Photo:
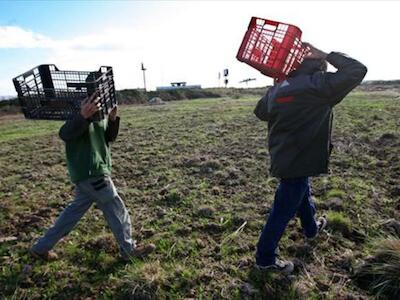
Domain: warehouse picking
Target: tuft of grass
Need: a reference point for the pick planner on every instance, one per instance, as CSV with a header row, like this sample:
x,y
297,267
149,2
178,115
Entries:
x,y
381,273
173,197
143,280
339,223
336,193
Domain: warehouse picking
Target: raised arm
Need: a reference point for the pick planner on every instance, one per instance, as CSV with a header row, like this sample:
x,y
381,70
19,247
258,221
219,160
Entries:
x,y
113,125
80,123
335,86
73,128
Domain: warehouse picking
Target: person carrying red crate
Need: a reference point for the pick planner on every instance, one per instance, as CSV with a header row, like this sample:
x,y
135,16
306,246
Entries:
x,y
299,115
89,165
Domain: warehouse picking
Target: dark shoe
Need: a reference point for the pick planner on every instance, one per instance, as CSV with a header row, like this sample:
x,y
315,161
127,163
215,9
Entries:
x,y
47,256
321,224
284,266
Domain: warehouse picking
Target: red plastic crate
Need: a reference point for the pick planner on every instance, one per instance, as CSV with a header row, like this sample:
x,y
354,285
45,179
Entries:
x,y
273,48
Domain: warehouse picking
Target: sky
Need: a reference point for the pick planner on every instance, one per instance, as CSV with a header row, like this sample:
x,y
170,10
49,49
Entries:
x,y
188,41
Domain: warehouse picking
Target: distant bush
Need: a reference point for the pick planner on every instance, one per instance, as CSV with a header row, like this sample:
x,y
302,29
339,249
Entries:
x,y
140,96
380,274
8,102
381,82
131,96
181,94
9,107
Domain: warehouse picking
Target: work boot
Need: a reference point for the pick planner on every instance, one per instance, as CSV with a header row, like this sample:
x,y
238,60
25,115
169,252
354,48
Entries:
x,y
140,252
47,256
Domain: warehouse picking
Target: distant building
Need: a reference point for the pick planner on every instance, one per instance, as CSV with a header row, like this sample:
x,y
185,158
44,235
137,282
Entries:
x,y
178,85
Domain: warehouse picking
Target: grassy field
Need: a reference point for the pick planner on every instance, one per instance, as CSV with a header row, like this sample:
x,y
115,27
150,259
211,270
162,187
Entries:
x,y
194,175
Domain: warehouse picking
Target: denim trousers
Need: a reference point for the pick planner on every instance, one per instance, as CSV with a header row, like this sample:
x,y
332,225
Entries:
x,y
102,191
293,196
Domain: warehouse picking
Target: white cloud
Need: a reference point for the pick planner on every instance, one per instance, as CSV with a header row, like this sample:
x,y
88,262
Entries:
x,y
121,48
17,37
6,87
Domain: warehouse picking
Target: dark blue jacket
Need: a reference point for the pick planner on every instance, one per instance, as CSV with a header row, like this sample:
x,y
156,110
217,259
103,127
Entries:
x,y
299,115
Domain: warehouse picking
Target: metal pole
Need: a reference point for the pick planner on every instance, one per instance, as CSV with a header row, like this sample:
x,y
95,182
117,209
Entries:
x,y
144,77
144,80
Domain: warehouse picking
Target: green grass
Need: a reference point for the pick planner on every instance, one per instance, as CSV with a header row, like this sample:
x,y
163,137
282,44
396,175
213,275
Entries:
x,y
336,193
194,177
339,222
17,129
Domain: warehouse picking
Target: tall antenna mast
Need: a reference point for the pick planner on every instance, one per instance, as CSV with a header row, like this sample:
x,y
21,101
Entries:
x,y
144,77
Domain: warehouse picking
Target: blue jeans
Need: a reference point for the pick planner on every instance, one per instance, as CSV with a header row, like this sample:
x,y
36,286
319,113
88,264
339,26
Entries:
x,y
292,196
102,191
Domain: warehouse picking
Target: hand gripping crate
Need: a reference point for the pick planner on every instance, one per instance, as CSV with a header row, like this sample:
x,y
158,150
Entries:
x,y
273,48
47,93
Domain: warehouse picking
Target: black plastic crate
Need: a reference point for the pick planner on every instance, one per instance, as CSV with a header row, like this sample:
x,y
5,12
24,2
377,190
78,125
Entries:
x,y
47,93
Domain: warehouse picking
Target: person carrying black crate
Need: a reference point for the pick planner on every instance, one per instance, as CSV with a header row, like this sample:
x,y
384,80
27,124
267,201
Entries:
x,y
89,165
299,115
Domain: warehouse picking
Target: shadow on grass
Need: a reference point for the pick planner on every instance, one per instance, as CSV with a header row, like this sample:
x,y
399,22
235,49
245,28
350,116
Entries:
x,y
78,272
271,285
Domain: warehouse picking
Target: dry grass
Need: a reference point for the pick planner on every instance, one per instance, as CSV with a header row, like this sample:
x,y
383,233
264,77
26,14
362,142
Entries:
x,y
381,272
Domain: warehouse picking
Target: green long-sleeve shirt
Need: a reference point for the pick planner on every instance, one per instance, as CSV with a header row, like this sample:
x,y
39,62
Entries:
x,y
87,146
